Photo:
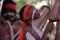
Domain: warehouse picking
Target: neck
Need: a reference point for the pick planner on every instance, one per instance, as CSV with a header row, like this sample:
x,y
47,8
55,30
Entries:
x,y
29,24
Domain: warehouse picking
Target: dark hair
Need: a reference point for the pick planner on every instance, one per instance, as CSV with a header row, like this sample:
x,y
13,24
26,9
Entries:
x,y
8,2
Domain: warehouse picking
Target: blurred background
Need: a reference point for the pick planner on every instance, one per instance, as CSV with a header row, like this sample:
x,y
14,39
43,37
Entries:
x,y
36,3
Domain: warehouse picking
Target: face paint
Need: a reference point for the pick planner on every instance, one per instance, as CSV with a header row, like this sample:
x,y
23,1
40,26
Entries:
x,y
34,26
36,21
12,14
9,16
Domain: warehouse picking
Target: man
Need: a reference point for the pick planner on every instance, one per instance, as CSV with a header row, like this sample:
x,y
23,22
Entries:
x,y
29,31
4,27
29,15
8,12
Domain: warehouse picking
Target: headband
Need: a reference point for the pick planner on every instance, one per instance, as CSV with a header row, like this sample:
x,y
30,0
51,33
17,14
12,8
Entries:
x,y
10,6
26,9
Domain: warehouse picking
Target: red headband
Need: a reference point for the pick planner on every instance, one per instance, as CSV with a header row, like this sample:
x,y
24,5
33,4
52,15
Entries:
x,y
26,9
10,6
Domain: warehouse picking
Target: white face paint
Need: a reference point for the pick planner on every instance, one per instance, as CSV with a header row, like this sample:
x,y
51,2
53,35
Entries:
x,y
1,2
34,26
12,14
35,22
9,16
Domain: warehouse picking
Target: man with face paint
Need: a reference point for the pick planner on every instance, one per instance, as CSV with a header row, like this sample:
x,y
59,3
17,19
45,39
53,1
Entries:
x,y
29,30
5,33
8,12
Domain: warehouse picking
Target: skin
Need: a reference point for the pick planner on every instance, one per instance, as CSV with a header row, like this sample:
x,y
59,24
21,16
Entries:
x,y
4,30
55,17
